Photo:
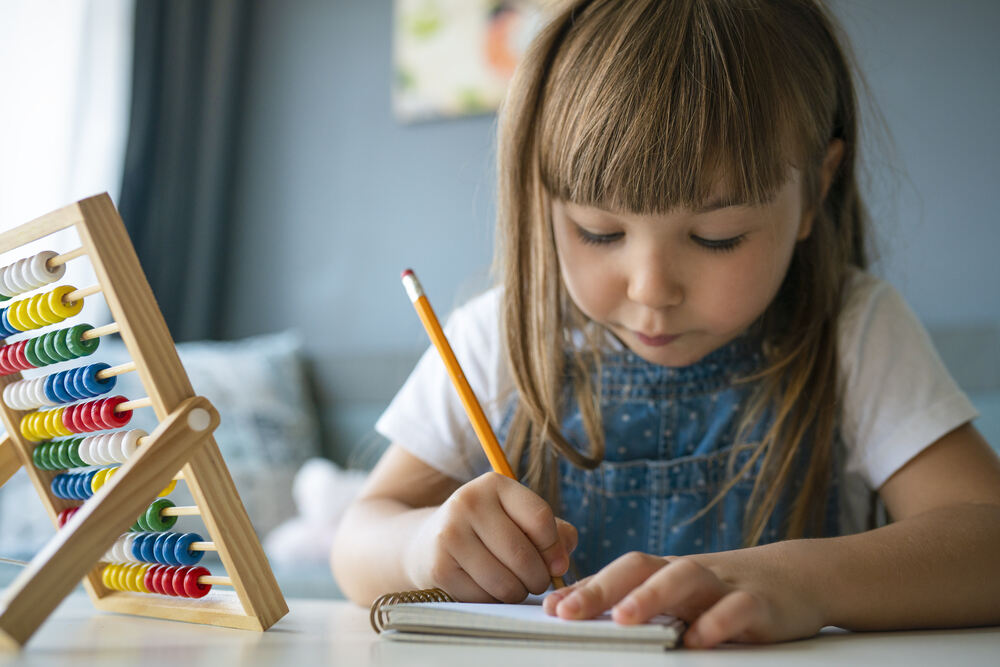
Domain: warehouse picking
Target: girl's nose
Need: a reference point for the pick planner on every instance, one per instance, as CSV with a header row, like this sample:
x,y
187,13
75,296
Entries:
x,y
653,284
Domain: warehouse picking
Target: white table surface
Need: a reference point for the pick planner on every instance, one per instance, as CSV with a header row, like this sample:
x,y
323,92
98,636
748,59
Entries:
x,y
337,633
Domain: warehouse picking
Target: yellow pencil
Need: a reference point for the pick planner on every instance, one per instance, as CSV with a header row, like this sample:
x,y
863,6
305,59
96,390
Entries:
x,y
473,409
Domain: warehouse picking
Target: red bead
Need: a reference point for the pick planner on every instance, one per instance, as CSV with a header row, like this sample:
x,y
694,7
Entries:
x,y
5,361
191,586
65,515
157,579
86,416
177,581
21,360
147,579
69,419
113,419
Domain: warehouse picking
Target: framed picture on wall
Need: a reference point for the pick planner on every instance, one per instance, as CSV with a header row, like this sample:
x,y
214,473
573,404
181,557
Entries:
x,y
455,57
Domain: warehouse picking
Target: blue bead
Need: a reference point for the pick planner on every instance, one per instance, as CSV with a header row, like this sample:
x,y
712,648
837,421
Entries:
x,y
147,547
76,382
59,388
169,546
88,491
5,324
158,552
50,382
93,385
58,482
182,550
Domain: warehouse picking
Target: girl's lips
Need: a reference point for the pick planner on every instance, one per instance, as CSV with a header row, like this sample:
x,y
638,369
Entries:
x,y
655,341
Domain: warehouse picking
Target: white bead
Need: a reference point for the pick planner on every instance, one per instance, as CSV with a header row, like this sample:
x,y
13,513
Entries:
x,y
42,272
5,287
85,450
17,277
104,450
115,446
130,442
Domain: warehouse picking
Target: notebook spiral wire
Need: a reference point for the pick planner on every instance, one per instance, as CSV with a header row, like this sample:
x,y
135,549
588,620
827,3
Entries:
x,y
377,615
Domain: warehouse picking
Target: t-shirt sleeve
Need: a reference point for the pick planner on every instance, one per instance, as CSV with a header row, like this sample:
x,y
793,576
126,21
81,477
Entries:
x,y
898,397
427,418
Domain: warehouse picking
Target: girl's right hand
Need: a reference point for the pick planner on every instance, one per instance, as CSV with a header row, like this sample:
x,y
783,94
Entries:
x,y
492,539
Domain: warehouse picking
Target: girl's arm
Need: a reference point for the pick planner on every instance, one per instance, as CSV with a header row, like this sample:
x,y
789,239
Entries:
x,y
414,527
935,566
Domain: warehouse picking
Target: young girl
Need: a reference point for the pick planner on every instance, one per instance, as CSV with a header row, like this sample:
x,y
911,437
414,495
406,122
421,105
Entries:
x,y
699,384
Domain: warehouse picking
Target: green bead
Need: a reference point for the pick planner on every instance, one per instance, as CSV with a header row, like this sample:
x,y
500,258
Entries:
x,y
62,455
41,352
136,528
74,452
62,352
29,353
4,298
77,346
155,520
47,457
38,457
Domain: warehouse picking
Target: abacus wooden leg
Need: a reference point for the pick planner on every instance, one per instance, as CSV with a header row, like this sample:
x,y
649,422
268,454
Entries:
x,y
9,461
75,548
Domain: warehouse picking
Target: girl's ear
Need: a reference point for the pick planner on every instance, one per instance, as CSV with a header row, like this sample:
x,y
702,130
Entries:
x,y
831,161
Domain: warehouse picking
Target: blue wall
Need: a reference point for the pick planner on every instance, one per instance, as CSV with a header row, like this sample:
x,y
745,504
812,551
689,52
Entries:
x,y
336,197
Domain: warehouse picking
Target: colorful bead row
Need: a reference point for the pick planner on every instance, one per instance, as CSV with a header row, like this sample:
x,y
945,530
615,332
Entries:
x,y
75,384
38,311
162,579
151,520
96,415
49,348
82,485
29,273
93,450
148,547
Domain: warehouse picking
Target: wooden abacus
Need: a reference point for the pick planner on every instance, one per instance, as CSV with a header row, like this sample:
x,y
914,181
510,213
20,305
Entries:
x,y
181,443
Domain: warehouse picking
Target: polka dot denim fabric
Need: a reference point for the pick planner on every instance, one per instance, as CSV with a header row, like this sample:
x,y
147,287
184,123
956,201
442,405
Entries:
x,y
669,434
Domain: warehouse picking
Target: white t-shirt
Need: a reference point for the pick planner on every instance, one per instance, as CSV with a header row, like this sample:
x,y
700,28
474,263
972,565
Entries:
x,y
898,398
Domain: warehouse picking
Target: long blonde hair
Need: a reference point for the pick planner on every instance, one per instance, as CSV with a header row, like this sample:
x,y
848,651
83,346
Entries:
x,y
638,105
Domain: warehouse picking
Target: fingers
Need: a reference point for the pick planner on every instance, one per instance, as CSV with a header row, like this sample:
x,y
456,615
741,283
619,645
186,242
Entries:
x,y
731,618
536,520
600,592
682,588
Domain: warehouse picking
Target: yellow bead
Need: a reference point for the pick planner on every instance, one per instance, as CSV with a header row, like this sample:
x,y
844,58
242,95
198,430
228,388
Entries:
x,y
168,488
142,578
59,307
14,316
45,310
97,481
27,431
107,576
32,314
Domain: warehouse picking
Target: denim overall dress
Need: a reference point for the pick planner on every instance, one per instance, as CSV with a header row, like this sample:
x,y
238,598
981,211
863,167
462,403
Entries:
x,y
669,433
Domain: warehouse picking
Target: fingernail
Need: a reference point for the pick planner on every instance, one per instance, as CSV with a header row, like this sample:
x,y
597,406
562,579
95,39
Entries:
x,y
558,566
571,605
627,607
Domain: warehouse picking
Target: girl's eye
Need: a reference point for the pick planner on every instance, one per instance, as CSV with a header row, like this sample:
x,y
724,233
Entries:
x,y
720,245
597,239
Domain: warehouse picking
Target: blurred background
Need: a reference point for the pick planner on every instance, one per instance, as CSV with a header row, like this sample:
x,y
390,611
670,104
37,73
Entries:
x,y
278,163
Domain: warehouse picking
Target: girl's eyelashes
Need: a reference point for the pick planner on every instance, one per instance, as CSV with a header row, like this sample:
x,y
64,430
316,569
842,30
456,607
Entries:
x,y
719,245
597,239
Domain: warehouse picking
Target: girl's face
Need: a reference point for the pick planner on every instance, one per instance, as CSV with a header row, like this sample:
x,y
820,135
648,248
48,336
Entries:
x,y
675,287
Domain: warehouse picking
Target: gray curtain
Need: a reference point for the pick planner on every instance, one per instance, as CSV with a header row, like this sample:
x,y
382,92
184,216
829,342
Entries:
x,y
177,190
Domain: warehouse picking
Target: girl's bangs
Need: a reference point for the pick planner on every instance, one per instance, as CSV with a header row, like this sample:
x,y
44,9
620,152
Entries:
x,y
627,125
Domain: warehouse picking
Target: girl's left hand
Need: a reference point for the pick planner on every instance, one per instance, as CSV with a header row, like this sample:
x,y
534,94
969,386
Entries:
x,y
638,586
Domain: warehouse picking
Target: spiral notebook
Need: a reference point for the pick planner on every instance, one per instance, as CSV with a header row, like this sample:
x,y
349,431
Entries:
x,y
432,616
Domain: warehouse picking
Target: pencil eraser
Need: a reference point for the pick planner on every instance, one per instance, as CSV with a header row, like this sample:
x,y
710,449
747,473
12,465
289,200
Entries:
x,y
407,272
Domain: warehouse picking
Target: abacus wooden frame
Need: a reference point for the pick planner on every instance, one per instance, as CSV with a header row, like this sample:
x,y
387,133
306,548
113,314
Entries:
x,y
256,602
